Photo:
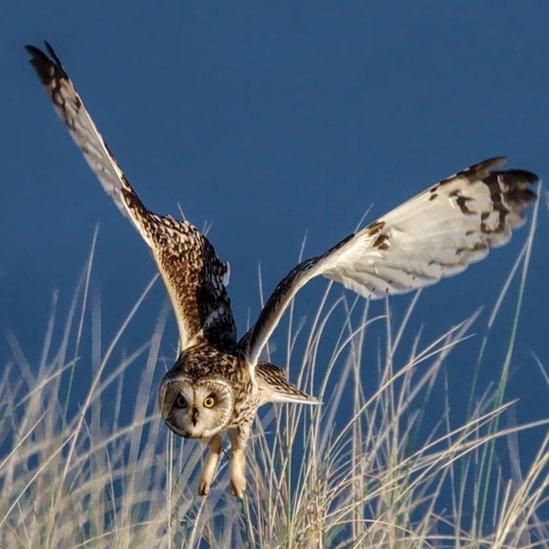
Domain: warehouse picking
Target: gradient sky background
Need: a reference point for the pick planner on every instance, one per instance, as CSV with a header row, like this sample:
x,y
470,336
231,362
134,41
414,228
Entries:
x,y
270,119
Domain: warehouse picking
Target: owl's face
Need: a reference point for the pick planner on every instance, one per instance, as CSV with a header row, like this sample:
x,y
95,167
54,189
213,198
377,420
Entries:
x,y
195,409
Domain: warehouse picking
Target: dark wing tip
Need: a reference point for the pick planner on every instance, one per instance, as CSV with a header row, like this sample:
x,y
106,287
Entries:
x,y
493,161
500,159
518,185
522,176
485,167
53,55
47,67
33,50
41,63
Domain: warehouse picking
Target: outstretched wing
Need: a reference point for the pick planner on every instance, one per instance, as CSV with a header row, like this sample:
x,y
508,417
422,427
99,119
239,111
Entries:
x,y
436,234
194,275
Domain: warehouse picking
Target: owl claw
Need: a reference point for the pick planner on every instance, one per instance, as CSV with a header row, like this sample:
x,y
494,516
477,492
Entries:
x,y
238,485
203,488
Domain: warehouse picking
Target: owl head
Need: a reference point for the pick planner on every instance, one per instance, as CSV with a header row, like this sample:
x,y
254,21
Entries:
x,y
195,408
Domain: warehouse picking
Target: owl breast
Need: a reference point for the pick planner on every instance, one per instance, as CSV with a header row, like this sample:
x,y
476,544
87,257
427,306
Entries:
x,y
246,397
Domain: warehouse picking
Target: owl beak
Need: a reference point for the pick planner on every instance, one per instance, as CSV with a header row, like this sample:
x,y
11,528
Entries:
x,y
194,415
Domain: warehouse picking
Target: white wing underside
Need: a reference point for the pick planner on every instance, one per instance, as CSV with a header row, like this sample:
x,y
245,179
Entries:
x,y
436,234
427,238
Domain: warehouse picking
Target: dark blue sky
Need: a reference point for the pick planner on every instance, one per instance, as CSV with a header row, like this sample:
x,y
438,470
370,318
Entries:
x,y
269,119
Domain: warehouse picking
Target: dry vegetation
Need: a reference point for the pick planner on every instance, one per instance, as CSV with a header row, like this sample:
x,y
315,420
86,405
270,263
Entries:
x,y
358,471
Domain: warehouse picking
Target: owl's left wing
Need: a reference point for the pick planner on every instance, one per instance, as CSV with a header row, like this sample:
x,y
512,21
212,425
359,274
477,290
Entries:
x,y
194,275
436,234
71,110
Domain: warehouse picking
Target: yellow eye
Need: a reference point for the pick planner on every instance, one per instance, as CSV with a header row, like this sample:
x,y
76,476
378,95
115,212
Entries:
x,y
209,402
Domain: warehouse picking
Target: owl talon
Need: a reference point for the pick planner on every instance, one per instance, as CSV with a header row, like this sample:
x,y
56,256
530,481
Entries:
x,y
203,488
238,486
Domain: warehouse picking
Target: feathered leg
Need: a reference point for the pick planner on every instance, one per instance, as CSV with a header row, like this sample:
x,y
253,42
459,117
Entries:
x,y
239,439
210,464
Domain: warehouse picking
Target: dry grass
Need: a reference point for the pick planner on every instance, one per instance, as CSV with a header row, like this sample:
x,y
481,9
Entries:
x,y
366,468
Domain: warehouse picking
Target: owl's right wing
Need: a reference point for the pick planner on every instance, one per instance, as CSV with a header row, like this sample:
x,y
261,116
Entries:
x,y
436,234
194,276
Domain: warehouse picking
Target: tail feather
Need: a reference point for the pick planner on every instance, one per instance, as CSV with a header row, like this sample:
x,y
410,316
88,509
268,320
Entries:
x,y
274,387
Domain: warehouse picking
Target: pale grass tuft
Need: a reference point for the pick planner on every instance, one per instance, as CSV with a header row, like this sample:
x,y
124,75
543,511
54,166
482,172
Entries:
x,y
365,469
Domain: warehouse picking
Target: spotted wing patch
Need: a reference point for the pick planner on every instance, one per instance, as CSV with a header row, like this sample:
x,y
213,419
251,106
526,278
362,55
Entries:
x,y
436,234
193,274
194,277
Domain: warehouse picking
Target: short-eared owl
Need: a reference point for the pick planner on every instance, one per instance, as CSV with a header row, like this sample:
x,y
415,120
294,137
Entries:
x,y
218,381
